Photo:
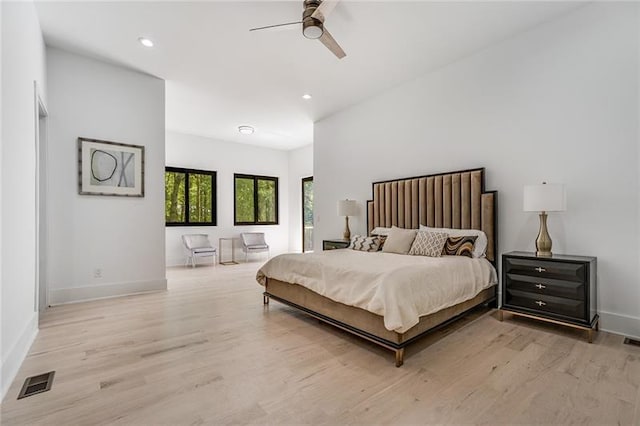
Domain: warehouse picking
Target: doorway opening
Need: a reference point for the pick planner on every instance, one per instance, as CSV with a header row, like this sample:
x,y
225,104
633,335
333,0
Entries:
x,y
41,289
307,214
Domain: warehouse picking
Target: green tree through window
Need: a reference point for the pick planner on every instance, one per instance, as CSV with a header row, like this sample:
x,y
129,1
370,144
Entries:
x,y
307,214
256,200
190,197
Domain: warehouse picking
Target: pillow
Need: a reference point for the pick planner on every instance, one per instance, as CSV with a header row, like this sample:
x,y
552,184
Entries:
x,y
383,239
399,240
480,246
381,231
460,246
360,243
429,243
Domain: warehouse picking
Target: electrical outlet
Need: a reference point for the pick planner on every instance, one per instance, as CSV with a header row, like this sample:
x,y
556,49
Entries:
x,y
97,273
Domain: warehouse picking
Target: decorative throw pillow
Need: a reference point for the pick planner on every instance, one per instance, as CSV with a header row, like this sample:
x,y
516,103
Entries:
x,y
358,242
479,247
428,244
399,240
460,246
383,239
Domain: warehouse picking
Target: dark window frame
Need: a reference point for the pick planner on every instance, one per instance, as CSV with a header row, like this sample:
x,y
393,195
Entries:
x,y
304,180
214,196
256,178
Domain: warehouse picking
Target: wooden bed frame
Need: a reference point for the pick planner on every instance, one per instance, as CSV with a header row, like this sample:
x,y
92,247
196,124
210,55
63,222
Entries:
x,y
449,200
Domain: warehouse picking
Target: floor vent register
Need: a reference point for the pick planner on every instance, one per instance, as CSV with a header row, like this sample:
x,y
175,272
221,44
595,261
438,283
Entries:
x,y
629,341
37,384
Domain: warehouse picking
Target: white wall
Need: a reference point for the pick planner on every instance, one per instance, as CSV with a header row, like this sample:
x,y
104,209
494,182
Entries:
x,y
23,62
227,158
1,101
122,236
558,103
300,166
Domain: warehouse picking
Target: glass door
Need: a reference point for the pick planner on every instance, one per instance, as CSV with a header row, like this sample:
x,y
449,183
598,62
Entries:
x,y
307,214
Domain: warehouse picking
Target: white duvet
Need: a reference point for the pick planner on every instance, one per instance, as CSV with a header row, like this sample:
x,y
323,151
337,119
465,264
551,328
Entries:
x,y
400,288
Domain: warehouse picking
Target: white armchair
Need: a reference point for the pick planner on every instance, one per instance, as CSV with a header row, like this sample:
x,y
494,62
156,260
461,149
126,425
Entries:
x,y
253,242
198,245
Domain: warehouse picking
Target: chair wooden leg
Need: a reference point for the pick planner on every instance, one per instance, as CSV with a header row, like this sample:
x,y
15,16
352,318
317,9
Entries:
x,y
265,299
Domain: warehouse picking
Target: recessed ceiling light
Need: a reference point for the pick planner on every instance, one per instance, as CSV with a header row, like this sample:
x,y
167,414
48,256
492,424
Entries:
x,y
246,130
306,96
145,42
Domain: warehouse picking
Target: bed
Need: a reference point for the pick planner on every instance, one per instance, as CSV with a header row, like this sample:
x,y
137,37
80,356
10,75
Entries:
x,y
394,299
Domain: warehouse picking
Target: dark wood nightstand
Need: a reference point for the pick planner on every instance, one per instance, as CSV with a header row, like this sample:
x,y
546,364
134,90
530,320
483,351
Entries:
x,y
559,289
338,243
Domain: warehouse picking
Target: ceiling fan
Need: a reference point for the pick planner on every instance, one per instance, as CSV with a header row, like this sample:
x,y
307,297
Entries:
x,y
313,17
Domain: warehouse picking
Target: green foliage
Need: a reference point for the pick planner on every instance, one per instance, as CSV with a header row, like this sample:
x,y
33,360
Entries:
x,y
266,200
250,190
201,192
307,203
307,214
174,206
200,198
245,211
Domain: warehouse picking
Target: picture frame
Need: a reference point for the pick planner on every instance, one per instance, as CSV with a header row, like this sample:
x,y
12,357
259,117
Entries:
x,y
110,168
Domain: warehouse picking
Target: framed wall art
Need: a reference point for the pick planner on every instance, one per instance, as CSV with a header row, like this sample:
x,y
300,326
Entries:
x,y
110,168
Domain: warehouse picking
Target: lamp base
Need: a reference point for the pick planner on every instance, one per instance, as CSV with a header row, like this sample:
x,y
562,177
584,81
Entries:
x,y
543,242
347,232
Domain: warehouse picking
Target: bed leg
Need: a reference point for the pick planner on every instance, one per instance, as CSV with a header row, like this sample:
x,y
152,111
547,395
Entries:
x,y
399,357
265,299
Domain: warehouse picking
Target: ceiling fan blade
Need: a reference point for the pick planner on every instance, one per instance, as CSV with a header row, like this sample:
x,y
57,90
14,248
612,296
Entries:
x,y
275,26
324,9
332,44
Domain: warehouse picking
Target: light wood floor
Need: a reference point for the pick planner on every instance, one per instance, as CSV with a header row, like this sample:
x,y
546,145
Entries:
x,y
206,351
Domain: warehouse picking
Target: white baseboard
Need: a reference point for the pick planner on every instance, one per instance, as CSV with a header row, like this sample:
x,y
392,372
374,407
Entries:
x,y
81,294
620,324
16,355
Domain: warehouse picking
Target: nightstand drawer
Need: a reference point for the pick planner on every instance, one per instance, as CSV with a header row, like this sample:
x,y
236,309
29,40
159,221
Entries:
x,y
570,308
541,285
565,271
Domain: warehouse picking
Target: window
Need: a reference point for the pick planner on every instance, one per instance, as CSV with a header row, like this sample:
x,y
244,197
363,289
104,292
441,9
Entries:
x,y
190,197
307,214
256,200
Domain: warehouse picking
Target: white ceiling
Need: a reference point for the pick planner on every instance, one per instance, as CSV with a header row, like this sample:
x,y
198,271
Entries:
x,y
220,76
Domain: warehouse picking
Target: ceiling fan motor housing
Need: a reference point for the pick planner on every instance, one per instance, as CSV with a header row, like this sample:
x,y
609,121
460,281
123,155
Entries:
x,y
311,28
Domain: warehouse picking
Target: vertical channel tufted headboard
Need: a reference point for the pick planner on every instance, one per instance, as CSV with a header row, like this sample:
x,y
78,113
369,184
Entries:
x,y
443,200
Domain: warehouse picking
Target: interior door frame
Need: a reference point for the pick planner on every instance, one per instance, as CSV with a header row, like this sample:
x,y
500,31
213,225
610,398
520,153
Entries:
x,y
41,299
305,179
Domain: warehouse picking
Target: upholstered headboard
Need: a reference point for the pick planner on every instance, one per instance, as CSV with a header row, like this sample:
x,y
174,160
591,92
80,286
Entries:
x,y
444,200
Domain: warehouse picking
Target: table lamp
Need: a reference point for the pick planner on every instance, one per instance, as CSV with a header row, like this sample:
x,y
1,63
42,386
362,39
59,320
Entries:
x,y
347,208
544,198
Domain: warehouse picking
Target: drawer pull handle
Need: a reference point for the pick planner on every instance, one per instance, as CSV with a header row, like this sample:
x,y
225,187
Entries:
x,y
540,303
539,269
541,286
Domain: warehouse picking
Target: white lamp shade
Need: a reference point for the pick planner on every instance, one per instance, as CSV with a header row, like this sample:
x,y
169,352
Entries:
x,y
347,208
548,197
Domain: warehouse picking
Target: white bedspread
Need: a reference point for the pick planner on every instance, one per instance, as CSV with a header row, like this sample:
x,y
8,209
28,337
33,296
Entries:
x,y
401,288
